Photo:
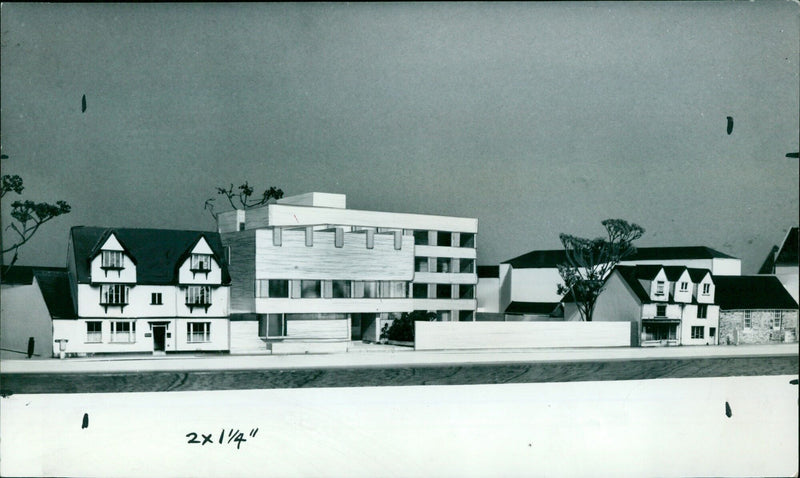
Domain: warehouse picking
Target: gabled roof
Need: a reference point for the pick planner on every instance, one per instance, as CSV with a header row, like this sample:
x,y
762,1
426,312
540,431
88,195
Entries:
x,y
633,275
647,271
101,241
489,272
788,254
23,275
158,252
768,267
56,292
752,292
698,275
630,275
533,308
551,258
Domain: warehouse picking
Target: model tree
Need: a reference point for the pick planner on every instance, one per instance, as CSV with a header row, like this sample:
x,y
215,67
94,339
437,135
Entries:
x,y
242,197
590,260
27,216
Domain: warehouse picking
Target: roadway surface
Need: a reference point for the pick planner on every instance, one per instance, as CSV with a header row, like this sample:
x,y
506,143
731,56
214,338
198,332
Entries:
x,y
397,375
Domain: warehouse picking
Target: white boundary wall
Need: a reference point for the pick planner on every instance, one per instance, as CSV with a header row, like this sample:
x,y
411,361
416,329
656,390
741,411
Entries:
x,y
507,335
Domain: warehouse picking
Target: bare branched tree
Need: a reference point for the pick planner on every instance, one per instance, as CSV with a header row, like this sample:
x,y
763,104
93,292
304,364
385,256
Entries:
x,y
240,198
28,216
589,261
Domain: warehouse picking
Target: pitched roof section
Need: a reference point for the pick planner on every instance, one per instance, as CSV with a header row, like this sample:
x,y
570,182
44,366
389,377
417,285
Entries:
x,y
630,275
23,275
533,308
788,255
54,285
551,258
752,292
489,272
158,252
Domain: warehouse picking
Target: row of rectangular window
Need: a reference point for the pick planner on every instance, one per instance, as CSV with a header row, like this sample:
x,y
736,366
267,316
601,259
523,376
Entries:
x,y
684,287
444,264
125,332
444,239
116,260
702,311
118,294
670,332
775,321
342,289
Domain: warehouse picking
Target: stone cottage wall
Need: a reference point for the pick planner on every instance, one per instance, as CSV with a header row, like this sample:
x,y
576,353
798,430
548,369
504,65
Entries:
x,y
731,322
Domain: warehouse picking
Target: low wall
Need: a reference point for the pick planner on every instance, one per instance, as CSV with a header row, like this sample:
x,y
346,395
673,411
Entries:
x,y
506,335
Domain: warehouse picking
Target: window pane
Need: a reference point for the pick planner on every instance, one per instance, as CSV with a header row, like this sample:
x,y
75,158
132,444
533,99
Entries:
x,y
370,289
310,289
341,289
278,288
421,238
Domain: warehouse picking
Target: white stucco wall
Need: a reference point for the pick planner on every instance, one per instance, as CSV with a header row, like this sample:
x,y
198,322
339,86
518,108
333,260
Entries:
x,y
139,302
535,285
690,320
24,314
488,294
789,278
176,341
186,276
497,335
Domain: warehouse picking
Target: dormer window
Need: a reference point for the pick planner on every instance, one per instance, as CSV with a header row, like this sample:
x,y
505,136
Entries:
x,y
684,286
112,260
198,296
114,295
201,263
706,289
660,288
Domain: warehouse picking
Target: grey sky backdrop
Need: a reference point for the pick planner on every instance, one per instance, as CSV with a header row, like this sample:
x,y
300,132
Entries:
x,y
534,118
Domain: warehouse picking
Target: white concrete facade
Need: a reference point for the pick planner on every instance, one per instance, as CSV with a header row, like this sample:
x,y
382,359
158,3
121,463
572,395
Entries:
x,y
308,258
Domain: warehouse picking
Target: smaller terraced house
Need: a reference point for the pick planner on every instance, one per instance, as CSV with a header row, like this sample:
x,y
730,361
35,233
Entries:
x,y
755,310
143,290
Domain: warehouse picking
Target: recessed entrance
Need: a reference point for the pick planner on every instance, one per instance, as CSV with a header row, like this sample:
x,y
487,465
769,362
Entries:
x,y
159,332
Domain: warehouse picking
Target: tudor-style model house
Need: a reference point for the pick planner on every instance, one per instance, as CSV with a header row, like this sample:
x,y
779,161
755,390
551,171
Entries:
x,y
311,275
144,290
666,305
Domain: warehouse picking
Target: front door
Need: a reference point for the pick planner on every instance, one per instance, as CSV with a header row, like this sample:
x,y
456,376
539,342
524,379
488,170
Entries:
x,y
158,338
355,326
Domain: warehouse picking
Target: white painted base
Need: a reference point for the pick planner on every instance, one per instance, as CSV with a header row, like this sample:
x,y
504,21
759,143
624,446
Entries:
x,y
289,347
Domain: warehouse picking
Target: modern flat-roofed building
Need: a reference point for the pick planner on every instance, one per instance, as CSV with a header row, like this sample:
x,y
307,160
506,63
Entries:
x,y
308,270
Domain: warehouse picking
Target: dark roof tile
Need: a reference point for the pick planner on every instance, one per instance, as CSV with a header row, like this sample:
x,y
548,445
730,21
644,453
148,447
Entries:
x,y
23,275
551,258
56,292
788,254
535,308
157,252
751,292
489,271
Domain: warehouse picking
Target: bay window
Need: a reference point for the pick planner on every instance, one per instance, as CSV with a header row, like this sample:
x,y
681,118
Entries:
x,y
198,296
